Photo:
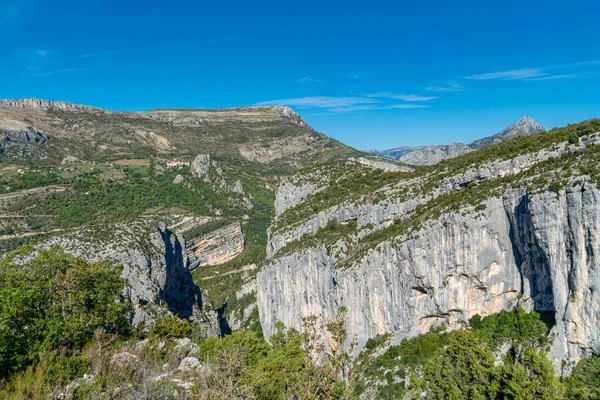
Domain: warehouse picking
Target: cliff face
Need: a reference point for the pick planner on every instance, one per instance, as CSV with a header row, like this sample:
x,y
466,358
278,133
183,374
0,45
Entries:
x,y
19,139
519,243
539,250
217,247
155,269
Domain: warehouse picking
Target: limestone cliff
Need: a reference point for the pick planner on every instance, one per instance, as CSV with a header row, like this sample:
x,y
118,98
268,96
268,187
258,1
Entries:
x,y
216,247
419,255
538,248
155,268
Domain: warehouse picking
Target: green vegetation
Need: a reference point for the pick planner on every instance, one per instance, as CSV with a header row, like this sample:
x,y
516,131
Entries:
x,y
546,175
63,329
461,364
351,182
465,370
90,199
584,382
238,366
55,302
421,355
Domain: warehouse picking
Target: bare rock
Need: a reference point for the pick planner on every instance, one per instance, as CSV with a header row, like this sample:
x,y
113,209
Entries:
x,y
178,179
201,165
188,364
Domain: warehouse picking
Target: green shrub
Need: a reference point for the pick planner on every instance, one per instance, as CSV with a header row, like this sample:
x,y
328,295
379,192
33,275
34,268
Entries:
x,y
170,328
56,301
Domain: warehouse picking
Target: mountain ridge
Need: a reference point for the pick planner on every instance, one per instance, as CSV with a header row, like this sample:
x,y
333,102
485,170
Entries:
x,y
430,155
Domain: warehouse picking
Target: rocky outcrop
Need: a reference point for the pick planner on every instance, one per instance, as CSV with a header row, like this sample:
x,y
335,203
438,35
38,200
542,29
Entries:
x,y
19,137
217,247
431,155
289,114
536,250
155,268
46,105
278,148
381,163
70,160
160,143
201,165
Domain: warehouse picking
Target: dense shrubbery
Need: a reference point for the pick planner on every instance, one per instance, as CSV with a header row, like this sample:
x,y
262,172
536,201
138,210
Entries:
x,y
461,364
238,366
54,340
55,302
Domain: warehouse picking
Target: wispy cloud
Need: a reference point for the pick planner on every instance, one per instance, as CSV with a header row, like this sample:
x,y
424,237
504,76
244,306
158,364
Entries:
x,y
376,107
526,73
320,102
454,87
404,106
111,53
38,63
308,79
340,104
353,75
538,73
550,77
404,97
55,72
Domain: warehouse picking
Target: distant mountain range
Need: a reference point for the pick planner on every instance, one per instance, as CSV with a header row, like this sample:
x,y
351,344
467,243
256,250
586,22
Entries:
x,y
430,155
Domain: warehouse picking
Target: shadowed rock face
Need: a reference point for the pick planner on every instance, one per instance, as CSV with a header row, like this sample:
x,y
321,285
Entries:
x,y
155,269
17,138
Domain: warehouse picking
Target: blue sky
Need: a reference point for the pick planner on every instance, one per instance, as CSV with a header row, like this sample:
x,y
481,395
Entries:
x,y
371,74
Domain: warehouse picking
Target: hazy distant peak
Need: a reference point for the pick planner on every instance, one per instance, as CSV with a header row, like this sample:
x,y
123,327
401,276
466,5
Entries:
x,y
523,127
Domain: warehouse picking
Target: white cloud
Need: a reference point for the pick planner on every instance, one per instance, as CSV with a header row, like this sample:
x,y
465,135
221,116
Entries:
x,y
111,53
405,97
308,79
320,102
49,73
340,104
538,73
454,87
405,106
526,73
550,77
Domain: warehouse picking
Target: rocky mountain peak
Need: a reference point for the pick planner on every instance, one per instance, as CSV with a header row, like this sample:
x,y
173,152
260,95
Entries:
x,y
524,126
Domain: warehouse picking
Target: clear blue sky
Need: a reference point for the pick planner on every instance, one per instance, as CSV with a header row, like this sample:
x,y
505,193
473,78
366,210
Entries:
x,y
372,74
